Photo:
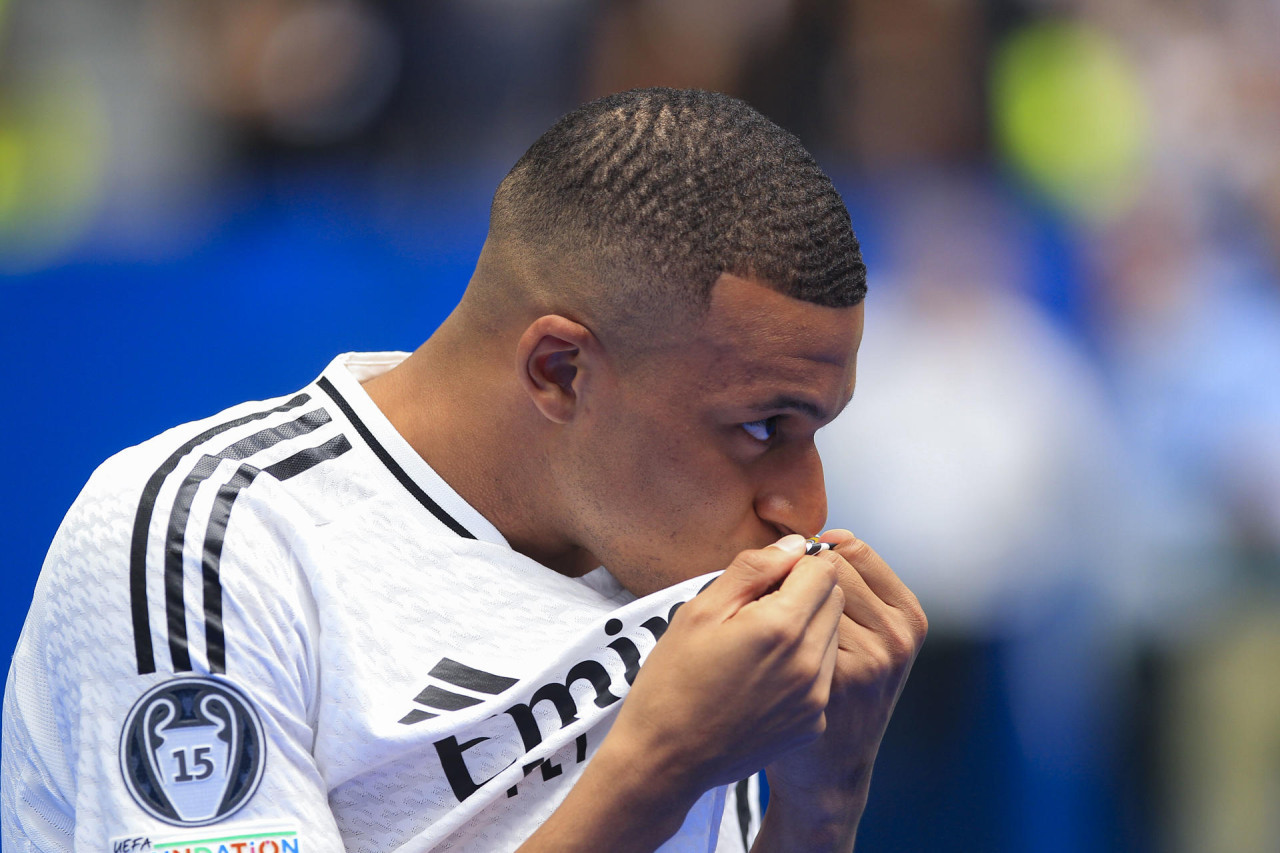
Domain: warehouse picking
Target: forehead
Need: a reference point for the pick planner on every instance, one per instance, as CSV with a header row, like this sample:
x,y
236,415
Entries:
x,y
756,341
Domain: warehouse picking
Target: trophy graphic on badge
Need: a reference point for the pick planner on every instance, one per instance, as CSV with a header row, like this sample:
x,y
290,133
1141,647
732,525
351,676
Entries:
x,y
192,751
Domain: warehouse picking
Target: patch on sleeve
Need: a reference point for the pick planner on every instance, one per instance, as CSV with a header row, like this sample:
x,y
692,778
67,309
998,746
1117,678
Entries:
x,y
192,753
245,838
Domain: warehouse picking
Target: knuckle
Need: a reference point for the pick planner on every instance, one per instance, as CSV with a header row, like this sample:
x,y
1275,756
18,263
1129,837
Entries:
x,y
812,669
695,612
687,612
838,562
920,622
776,630
812,704
914,616
856,551
823,568
750,561
763,561
900,642
880,659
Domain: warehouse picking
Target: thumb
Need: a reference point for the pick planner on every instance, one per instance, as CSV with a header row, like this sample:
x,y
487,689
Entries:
x,y
753,574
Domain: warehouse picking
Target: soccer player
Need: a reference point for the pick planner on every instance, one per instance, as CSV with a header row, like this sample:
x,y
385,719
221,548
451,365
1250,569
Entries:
x,y
541,585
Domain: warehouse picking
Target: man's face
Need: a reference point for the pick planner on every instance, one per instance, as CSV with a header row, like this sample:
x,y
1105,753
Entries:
x,y
705,448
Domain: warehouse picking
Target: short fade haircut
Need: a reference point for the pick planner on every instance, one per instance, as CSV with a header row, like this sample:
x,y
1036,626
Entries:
x,y
654,193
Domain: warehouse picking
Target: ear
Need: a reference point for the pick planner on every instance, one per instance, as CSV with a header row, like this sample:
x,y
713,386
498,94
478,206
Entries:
x,y
553,359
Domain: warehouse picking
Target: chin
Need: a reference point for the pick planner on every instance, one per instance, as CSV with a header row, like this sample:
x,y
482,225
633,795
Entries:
x,y
653,572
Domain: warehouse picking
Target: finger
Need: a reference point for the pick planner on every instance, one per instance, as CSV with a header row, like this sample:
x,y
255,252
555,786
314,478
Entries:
x,y
831,656
821,641
826,622
861,604
858,597
826,635
892,651
806,591
753,574
879,578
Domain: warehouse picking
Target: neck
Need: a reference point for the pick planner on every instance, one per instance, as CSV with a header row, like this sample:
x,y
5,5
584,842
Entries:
x,y
461,409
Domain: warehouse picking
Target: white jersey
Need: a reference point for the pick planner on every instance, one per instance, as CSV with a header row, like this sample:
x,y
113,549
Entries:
x,y
277,630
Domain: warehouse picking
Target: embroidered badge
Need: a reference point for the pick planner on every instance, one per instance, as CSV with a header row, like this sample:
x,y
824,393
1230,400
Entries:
x,y
192,751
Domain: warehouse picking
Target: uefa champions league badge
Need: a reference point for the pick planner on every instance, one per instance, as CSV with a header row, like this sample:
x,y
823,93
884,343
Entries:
x,y
192,751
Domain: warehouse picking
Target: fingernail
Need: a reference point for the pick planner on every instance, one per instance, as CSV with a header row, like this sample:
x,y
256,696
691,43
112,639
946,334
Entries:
x,y
792,543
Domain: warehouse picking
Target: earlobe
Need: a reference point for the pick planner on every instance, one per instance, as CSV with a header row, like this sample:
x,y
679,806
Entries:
x,y
549,364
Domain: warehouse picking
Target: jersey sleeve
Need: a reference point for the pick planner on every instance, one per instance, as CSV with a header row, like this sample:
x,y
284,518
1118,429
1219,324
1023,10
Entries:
x,y
167,702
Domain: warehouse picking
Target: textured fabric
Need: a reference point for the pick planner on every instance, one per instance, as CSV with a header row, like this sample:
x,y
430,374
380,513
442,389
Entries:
x,y
418,684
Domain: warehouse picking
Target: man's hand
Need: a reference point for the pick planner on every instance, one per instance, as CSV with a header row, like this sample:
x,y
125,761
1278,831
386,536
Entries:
x,y
742,675
818,791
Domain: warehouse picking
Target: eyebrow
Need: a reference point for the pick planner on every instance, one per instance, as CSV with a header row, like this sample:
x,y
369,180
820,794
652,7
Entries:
x,y
786,401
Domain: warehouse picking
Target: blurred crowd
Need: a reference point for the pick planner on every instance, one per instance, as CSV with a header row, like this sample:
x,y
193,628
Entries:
x,y
1066,434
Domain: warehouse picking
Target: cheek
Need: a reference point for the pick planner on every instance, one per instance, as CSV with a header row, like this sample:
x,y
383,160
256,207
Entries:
x,y
684,496
679,473
657,482
622,476
661,514
666,478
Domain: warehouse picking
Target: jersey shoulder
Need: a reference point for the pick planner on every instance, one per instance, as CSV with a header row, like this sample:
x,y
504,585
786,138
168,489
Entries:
x,y
140,546
130,598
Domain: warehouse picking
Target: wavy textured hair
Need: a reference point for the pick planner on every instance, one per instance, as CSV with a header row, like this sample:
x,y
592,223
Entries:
x,y
656,192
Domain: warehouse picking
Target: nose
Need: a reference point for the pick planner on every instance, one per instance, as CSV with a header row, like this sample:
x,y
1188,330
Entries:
x,y
792,495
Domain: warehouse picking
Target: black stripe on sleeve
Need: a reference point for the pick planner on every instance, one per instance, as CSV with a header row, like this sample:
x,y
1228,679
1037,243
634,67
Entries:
x,y
214,638
742,798
142,524
394,467
303,460
175,538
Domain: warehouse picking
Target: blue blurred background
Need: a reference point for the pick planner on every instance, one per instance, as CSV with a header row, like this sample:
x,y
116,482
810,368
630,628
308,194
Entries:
x,y
1067,430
